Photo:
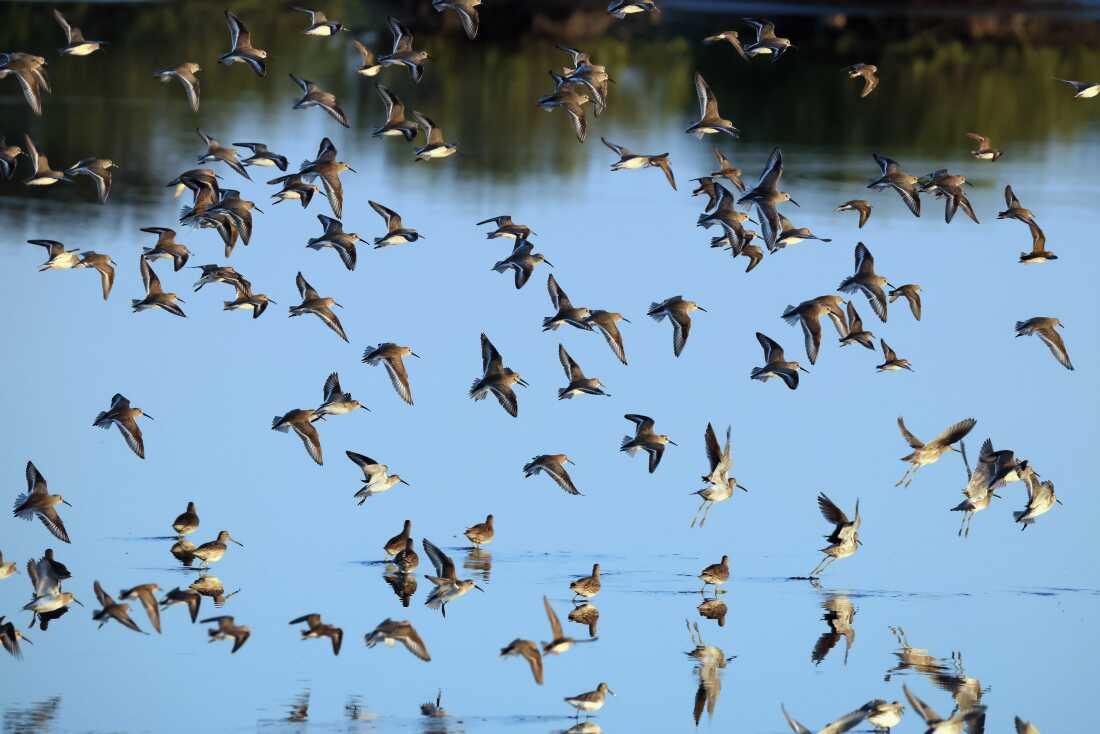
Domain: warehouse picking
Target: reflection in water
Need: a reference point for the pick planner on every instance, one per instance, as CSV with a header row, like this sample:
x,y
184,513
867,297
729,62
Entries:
x,y
714,609
33,719
480,562
583,727
403,585
299,708
212,587
183,551
709,661
839,615
965,690
355,710
586,614
912,658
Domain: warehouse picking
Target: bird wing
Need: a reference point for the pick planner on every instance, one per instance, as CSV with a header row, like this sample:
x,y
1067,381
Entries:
x,y
572,369
104,598
310,439
332,321
811,331
620,150
561,477
507,398
152,282
952,434
53,523
708,105
643,422
655,453
797,727
151,609
614,338
128,427
402,37
983,141
444,565
555,623
412,642
1010,198
925,711
1053,340
865,262
393,219
773,170
909,437
395,368
681,327
887,353
772,351
332,388
432,134
491,361
238,33
714,451
830,511
36,483
557,296
65,27
664,164
845,722
334,191
304,288
395,109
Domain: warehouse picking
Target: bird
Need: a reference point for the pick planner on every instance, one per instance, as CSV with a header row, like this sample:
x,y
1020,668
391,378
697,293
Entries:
x,y
1040,498
984,151
497,379
710,120
59,258
112,610
857,205
48,601
567,97
924,454
29,71
75,43
243,52
564,311
228,629
890,360
122,415
294,188
1045,327
37,501
7,569
809,313
395,544
261,156
314,96
578,383
1022,727
318,306
727,170
213,551
328,169
190,597
629,161
506,228
856,334
301,420
1038,253
403,53
155,297
849,721
376,479
368,62
869,74
434,709
678,312
766,43
911,293
319,25
559,643
522,261
715,574
9,158
839,616
436,146
553,465
246,300
766,196
336,401
776,364
606,322
41,172
482,533
981,483
867,281
145,594
466,10
622,8
316,629
893,177
391,355
949,187
396,124
587,586
99,170
406,559
391,631
844,540
590,701
585,73
448,586
215,151
730,37
187,521
792,235
187,74
960,720
645,439
166,247
882,715
720,485
336,238
529,651
1082,90
10,638
396,232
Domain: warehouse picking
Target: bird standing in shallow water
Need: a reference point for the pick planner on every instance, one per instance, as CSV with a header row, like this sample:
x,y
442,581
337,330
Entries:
x,y
715,574
482,533
213,551
591,701
187,521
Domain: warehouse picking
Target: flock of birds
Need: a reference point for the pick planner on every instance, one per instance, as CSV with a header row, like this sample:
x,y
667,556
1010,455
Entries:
x,y
583,83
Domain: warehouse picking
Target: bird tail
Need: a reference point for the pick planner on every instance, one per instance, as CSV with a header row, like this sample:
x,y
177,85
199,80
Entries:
x,y
790,316
1018,515
627,440
275,424
655,313
134,303
26,514
477,390
100,422
548,323
564,394
1019,325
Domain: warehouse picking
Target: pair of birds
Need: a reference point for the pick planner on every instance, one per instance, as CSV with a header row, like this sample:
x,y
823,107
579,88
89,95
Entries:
x,y
534,653
335,402
60,258
765,44
43,174
576,86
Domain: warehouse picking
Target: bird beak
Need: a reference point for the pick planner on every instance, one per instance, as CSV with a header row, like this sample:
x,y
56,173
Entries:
x,y
796,203
352,169
611,691
673,442
522,381
261,211
237,542
478,588
147,416
626,319
78,601
26,639
548,262
66,503
803,369
364,407
415,354
891,285
180,300
1058,501
404,482
337,304
271,301
743,488
701,308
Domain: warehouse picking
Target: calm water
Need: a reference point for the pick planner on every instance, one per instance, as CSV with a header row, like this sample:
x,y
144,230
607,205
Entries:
x,y
1019,608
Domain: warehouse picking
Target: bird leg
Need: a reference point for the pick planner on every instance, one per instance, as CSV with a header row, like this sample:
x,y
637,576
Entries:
x,y
696,517
821,566
705,514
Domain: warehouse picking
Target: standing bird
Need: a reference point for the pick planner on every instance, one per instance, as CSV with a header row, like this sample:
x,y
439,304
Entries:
x,y
335,237
882,715
961,720
809,313
591,701
1044,327
776,364
122,415
679,314
844,540
243,52
319,25
187,521
578,383
522,260
1040,499
1082,90
75,43
336,401
585,586
710,120
155,297
228,629
97,169
891,362
496,378
553,465
857,205
391,631
894,178
436,146
396,124
869,74
301,420
629,161
929,453
396,232
391,355
984,151
187,75
867,281
38,501
102,264
564,311
848,721
315,629
482,533
606,323
715,574
112,610
720,486
396,544
466,10
767,197
911,293
448,586
41,172
406,559
213,551
529,651
403,53
145,594
320,307
314,96
645,439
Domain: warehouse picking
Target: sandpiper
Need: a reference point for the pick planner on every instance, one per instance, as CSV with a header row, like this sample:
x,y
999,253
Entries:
x,y
558,643
434,709
882,715
984,151
645,439
301,420
678,312
522,260
1082,90
466,10
710,120
586,614
708,187
809,313
730,37
506,228
767,196
145,594
792,235
166,247
844,540
122,415
593,701
391,355
961,720
407,559
319,25
243,52
1039,253
867,281
38,501
187,74
436,146
315,629
448,586
368,62
565,312
320,307
215,151
848,721
403,53
7,570
1040,498
99,170
391,631
30,72
9,158
727,215
187,521
10,638
328,169
766,43
394,545
949,187
213,551
58,257
497,378
314,96
869,73
75,43
891,361
894,178
578,383
929,453
857,205
529,651
629,161
715,574
155,297
112,610
247,300
606,323
481,533
261,156
856,333
587,586
979,489
720,486
776,364
396,232
911,293
1022,727
336,401
294,188
567,97
727,170
622,8
48,601
376,480
554,467
1045,327
587,74
335,237
41,172
396,124
839,615
228,629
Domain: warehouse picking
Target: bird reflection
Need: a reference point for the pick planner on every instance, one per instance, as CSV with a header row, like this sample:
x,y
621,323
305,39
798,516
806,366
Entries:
x,y
35,718
912,658
403,585
480,562
212,586
839,615
183,551
586,614
299,707
965,690
709,661
355,710
714,609
435,721
583,727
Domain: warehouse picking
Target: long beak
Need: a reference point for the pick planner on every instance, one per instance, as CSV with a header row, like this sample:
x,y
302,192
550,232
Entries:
x,y
624,318
796,203
673,442
478,588
66,503
803,369
180,300
148,416
237,542
700,308
548,262
271,301
337,304
741,487
78,601
415,354
1058,501
364,407
522,381
404,482
26,639
891,285
570,461
611,691
352,169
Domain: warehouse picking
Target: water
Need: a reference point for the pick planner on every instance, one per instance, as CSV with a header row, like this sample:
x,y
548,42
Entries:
x,y
1018,607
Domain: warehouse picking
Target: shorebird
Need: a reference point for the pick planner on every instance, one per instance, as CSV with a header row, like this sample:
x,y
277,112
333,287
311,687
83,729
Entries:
x,y
839,616
294,188
166,247
261,156
315,629
391,631
730,37
466,10
586,614
587,74
436,146
713,608
792,235
727,170
314,96
481,533
403,53
58,257
145,594
645,439
122,415
564,311
155,297
558,643
622,8
766,43
339,240
606,323
809,313
187,521
328,169
527,650
376,480
226,274
104,265
894,178
1044,327
709,660
554,467
1022,727
1040,498
301,420
591,701
766,196
629,161
320,307
720,485
186,73
50,566
30,72
929,453
368,62
211,586
857,205
1039,253
984,151
567,97
112,610
710,120
37,501
75,43
406,559
396,232
844,540
522,261
1015,210
319,25
776,364
48,601
726,214
10,638
1082,90
215,151
97,169
213,551
396,124
243,52
41,172
587,586
246,300
868,282
890,360
848,721
506,228
9,158
578,383
981,483
869,74
336,401
7,569
448,586
678,312
882,715
228,629
715,574
949,187
708,187
391,355
911,293
434,709
960,721
396,544
496,378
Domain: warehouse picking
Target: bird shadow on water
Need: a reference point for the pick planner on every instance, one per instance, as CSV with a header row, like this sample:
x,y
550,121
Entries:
x,y
36,717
